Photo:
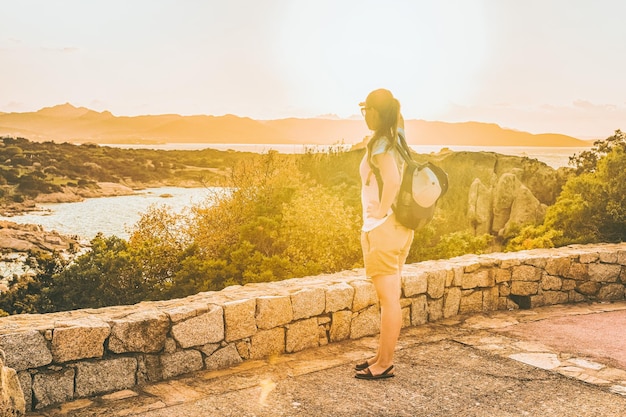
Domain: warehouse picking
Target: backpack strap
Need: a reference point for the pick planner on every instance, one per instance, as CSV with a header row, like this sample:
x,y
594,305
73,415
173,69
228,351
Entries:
x,y
403,149
379,178
405,152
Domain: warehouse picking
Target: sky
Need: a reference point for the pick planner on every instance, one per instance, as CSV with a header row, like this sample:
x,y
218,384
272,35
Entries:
x,y
541,66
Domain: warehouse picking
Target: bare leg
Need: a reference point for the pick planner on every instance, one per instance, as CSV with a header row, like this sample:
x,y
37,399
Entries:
x,y
388,291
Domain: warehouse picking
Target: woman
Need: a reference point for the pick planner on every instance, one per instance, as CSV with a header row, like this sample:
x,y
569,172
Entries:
x,y
385,242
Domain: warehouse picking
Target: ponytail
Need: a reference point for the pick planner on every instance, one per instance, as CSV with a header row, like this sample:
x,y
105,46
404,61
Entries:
x,y
389,112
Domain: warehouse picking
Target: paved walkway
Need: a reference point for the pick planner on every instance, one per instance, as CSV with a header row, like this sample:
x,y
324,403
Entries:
x,y
555,361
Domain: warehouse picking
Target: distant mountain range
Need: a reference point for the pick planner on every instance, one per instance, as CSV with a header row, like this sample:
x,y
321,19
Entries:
x,y
67,123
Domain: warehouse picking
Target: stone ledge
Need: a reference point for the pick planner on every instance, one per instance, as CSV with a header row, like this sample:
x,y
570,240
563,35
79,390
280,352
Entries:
x,y
58,356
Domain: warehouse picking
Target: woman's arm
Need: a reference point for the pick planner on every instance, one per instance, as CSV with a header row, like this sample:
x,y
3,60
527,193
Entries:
x,y
386,164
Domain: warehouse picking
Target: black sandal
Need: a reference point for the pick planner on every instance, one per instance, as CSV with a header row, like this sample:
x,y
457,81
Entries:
x,y
361,366
369,375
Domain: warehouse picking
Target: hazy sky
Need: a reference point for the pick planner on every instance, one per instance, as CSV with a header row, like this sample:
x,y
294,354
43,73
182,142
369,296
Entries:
x,y
533,65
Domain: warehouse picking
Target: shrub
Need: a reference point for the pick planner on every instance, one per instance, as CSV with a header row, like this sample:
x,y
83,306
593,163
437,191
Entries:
x,y
592,206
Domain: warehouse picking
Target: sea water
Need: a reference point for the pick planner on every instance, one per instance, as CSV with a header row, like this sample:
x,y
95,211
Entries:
x,y
109,215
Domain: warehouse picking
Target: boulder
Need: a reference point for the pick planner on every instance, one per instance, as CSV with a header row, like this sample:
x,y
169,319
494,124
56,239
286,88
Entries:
x,y
504,207
16,237
526,209
490,182
503,197
479,212
543,181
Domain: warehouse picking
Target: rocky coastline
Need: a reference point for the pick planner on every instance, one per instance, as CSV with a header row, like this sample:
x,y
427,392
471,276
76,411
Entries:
x,y
67,195
15,237
18,241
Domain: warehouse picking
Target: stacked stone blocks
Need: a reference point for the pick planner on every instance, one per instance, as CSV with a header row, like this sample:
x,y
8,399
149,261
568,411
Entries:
x,y
59,357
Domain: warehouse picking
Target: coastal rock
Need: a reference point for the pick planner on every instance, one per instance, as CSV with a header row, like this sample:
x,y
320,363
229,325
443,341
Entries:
x,y
504,195
75,194
491,182
479,212
16,237
543,181
106,189
526,209
68,195
503,208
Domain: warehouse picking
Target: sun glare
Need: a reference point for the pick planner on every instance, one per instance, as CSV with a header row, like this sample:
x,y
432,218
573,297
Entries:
x,y
427,54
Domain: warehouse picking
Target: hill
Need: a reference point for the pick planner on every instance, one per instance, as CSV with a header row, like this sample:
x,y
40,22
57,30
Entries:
x,y
67,123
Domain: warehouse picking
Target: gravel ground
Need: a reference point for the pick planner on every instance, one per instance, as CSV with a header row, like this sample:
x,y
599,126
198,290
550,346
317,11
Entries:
x,y
438,379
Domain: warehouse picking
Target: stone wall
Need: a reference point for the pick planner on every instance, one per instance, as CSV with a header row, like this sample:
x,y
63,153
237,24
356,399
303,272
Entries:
x,y
63,356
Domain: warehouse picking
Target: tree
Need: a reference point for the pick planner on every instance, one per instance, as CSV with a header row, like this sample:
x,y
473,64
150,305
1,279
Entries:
x,y
587,161
31,292
320,232
592,205
107,275
240,227
272,223
427,245
156,243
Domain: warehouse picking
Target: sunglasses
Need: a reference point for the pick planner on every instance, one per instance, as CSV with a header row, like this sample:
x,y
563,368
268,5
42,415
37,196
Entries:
x,y
364,110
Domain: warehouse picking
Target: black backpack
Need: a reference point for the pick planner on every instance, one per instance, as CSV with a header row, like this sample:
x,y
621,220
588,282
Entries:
x,y
421,187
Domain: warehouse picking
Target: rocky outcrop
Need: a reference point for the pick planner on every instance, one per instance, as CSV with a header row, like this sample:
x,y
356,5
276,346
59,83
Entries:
x,y
514,194
69,195
504,195
60,357
514,205
74,194
525,209
16,237
480,212
12,402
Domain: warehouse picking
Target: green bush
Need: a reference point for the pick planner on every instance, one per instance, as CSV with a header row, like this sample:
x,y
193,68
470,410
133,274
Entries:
x,y
592,206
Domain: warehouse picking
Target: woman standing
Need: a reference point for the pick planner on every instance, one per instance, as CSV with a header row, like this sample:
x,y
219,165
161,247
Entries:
x,y
385,242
